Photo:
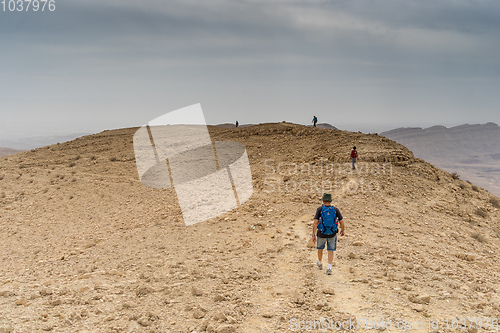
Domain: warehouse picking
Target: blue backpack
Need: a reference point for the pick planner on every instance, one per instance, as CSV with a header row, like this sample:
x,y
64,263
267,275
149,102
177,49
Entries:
x,y
328,221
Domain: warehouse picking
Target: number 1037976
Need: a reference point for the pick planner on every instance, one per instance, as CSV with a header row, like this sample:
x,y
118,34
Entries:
x,y
28,5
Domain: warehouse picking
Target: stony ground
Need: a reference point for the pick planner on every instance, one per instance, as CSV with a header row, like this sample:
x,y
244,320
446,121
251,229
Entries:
x,y
86,248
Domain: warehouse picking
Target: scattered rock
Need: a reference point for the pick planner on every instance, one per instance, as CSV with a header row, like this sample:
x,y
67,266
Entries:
x,y
85,276
55,302
298,298
220,316
75,316
84,289
418,308
225,329
358,243
467,256
419,299
144,322
114,272
45,292
196,291
210,328
21,301
329,290
425,299
134,326
311,243
143,291
320,305
198,314
204,325
351,255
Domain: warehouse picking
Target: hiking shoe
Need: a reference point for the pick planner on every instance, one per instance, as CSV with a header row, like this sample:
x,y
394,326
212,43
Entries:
x,y
329,271
320,265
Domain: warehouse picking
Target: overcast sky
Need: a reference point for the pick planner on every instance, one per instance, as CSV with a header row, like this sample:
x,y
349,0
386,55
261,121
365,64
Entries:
x,y
359,65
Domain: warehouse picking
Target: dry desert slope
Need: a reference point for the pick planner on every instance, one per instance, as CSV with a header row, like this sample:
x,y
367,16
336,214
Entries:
x,y
86,248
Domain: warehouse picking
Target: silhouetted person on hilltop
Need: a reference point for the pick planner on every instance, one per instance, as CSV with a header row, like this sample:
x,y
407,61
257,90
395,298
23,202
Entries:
x,y
315,120
354,157
237,123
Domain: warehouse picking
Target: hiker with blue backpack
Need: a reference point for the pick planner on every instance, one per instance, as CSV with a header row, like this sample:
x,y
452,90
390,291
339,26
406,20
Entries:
x,y
325,228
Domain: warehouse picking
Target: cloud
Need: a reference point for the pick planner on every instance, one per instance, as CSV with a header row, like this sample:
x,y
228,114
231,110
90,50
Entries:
x,y
100,52
376,31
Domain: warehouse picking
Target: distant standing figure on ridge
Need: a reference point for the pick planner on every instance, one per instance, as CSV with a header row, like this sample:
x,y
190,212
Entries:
x,y
354,157
315,120
237,123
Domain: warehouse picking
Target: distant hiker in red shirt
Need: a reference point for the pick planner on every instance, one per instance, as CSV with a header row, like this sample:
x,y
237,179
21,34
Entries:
x,y
354,157
237,123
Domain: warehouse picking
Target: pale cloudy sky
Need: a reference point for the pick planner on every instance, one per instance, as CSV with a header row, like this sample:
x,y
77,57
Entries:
x,y
360,65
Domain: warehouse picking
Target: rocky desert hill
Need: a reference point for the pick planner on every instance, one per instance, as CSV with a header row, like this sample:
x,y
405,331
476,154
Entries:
x,y
86,248
319,125
470,150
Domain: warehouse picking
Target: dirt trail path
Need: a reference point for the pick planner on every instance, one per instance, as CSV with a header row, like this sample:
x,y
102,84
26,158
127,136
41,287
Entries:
x,y
355,293
283,295
348,296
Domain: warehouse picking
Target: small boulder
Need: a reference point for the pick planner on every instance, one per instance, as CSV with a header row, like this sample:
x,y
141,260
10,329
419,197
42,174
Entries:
x,y
21,301
196,292
198,314
329,291
225,329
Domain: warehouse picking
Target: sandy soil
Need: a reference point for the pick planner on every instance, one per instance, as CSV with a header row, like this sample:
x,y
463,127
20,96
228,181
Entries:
x,y
86,248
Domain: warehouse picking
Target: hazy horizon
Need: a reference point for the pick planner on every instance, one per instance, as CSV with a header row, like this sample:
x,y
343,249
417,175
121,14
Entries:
x,y
27,142
353,127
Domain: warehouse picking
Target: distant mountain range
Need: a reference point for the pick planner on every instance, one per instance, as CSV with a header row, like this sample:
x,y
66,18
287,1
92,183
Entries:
x,y
473,151
38,141
9,151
